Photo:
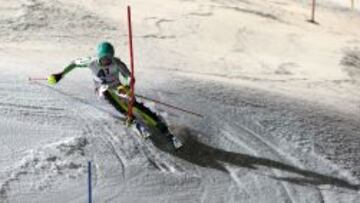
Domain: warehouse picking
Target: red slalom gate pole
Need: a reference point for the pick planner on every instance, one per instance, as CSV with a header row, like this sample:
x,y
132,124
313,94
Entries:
x,y
132,80
313,11
352,4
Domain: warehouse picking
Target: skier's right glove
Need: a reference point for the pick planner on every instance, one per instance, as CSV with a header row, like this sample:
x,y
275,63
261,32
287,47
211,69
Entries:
x,y
123,90
55,78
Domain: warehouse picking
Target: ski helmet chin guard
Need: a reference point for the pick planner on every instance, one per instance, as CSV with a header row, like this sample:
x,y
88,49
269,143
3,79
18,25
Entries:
x,y
105,49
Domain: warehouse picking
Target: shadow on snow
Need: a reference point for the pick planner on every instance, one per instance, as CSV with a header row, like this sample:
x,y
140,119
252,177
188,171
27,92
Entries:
x,y
204,155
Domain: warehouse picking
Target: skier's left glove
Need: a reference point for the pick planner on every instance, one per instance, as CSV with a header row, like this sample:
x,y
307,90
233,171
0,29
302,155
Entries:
x,y
55,78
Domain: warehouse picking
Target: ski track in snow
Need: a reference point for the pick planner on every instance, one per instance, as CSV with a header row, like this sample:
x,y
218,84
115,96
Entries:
x,y
124,150
276,155
255,139
250,147
259,143
94,126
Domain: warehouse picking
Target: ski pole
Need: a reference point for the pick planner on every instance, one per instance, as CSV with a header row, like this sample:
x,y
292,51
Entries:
x,y
146,98
36,79
170,106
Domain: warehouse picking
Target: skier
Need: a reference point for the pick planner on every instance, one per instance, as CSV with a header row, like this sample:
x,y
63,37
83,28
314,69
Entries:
x,y
106,69
110,73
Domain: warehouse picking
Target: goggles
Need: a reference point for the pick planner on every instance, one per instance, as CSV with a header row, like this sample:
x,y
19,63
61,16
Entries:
x,y
105,61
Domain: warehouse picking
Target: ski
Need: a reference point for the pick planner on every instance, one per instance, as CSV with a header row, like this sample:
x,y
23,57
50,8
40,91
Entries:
x,y
141,130
176,142
145,134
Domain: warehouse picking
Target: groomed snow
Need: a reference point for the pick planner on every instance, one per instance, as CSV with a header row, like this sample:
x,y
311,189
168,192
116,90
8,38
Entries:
x,y
280,99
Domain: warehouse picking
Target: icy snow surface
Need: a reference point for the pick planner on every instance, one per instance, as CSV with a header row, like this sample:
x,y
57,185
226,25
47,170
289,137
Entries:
x,y
280,98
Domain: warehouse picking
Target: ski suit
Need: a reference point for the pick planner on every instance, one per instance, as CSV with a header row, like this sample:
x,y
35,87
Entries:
x,y
113,75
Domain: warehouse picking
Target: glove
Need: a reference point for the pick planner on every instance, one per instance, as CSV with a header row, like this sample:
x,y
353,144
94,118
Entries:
x,y
55,78
123,90
101,90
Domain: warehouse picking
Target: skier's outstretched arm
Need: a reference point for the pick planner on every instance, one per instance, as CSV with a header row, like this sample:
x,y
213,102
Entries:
x,y
78,63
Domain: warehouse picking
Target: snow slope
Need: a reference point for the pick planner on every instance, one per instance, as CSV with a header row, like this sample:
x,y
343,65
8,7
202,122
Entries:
x,y
340,4
279,97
